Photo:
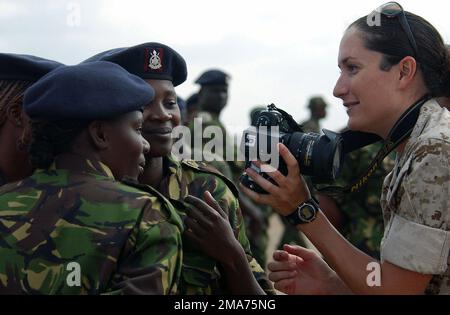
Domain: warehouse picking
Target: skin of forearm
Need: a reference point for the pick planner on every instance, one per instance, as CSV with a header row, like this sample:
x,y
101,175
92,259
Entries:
x,y
238,274
348,262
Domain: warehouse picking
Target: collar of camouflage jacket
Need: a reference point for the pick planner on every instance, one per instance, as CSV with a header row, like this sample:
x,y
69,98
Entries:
x,y
173,166
80,164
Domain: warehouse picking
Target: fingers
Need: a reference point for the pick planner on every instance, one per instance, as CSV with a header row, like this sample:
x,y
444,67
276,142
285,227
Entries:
x,y
281,275
280,255
258,198
262,182
195,239
299,251
194,227
286,286
199,217
289,159
205,210
272,172
209,199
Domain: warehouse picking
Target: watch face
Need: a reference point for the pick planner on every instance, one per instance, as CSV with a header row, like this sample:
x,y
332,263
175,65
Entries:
x,y
307,213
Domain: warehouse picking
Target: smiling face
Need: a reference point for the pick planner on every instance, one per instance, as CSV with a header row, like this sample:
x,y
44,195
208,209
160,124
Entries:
x,y
368,93
160,117
127,147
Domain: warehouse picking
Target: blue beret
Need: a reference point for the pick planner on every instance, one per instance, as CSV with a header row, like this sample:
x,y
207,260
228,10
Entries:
x,y
148,61
89,91
211,77
24,67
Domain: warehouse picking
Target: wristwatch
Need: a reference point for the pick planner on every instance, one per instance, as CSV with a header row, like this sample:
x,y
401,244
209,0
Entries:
x,y
305,212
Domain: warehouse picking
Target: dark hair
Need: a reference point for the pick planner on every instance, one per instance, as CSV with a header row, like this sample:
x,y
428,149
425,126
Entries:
x,y
390,39
52,138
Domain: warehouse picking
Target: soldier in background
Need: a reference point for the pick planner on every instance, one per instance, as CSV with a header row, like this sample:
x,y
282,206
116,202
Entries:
x,y
317,106
164,69
192,109
17,73
71,227
358,216
212,99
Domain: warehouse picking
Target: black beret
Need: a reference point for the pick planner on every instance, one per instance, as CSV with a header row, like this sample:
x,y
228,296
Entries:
x,y
181,103
192,100
24,67
148,61
89,91
214,76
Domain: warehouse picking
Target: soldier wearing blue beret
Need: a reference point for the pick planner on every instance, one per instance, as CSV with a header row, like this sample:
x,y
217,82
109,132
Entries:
x,y
103,90
17,73
86,231
163,68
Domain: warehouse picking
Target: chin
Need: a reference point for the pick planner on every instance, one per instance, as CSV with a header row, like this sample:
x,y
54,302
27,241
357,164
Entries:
x,y
355,125
159,152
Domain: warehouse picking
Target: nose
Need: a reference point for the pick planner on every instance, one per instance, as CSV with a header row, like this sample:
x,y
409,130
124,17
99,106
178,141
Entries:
x,y
341,87
157,111
145,146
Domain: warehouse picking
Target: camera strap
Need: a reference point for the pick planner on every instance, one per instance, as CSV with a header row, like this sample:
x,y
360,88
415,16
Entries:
x,y
401,130
289,119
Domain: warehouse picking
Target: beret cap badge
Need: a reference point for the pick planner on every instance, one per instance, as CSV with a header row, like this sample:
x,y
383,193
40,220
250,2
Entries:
x,y
155,61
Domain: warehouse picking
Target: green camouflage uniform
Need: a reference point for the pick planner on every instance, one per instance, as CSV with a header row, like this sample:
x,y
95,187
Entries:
x,y
201,274
363,219
236,168
311,125
126,241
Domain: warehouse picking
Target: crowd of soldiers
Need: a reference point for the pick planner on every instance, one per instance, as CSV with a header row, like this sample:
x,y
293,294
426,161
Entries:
x,y
88,179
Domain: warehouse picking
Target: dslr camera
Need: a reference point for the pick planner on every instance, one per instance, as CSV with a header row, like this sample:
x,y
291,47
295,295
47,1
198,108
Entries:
x,y
319,156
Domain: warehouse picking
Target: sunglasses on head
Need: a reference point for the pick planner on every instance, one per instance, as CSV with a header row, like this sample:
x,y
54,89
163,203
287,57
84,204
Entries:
x,y
393,9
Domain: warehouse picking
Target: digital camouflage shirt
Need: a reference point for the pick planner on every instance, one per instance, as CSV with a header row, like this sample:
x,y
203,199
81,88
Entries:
x,y
415,201
123,240
201,274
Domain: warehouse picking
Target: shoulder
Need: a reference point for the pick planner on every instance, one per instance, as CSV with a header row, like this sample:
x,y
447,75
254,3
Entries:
x,y
437,123
157,207
200,169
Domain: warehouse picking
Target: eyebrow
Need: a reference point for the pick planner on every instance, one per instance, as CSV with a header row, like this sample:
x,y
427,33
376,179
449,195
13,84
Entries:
x,y
170,94
345,60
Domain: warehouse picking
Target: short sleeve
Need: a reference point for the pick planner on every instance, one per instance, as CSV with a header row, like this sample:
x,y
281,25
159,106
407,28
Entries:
x,y
417,236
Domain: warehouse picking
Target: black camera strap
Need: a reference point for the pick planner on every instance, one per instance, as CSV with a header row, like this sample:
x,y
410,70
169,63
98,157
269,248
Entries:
x,y
401,131
289,119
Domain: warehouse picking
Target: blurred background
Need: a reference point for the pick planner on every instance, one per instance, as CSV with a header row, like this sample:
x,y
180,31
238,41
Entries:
x,y
275,51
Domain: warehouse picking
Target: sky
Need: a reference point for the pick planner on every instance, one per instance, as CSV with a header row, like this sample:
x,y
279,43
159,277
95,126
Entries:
x,y
280,52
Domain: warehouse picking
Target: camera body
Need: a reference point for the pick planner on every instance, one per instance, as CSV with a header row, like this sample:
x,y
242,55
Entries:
x,y
319,156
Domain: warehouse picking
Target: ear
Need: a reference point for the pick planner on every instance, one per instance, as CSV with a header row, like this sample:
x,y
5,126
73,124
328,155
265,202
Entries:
x,y
408,69
14,114
99,135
